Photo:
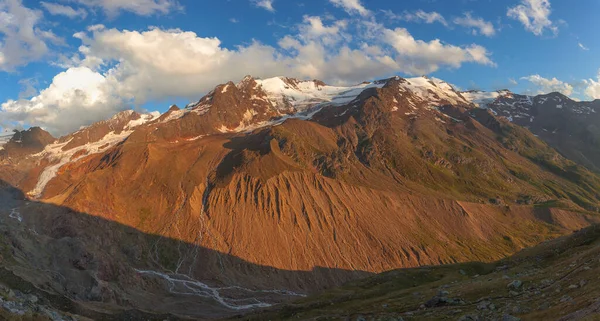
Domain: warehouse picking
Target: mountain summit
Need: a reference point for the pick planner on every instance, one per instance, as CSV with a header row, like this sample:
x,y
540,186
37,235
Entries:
x,y
567,125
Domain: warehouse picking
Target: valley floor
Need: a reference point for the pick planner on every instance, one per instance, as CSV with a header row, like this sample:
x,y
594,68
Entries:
x,y
556,280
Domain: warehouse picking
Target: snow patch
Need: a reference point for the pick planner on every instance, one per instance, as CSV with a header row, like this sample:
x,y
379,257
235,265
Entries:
x,y
432,91
249,114
224,90
15,214
195,138
59,157
303,95
4,139
223,129
483,99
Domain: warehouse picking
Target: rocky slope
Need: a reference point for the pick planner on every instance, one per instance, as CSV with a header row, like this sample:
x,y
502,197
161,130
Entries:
x,y
569,126
25,142
269,189
557,280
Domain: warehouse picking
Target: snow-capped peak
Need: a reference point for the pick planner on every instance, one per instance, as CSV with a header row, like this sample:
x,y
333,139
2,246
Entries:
x,y
304,94
483,98
433,91
4,139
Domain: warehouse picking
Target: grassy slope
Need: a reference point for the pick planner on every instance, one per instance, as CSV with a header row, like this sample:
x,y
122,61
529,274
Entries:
x,y
560,282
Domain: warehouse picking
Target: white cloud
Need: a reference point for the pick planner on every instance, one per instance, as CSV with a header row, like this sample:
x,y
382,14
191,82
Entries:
x,y
592,87
75,97
323,52
117,69
21,40
421,57
351,6
583,47
157,63
50,37
419,16
314,28
139,7
62,10
28,87
140,67
265,4
233,20
545,85
478,25
534,15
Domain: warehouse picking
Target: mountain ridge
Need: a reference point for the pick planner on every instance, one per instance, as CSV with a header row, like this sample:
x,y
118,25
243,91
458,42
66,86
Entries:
x,y
548,114
398,173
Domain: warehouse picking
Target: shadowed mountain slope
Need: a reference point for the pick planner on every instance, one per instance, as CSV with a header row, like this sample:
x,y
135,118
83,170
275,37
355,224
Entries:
x,y
556,280
572,127
74,263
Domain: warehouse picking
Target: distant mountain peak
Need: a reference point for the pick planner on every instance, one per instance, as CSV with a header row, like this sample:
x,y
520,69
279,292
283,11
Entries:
x,y
24,142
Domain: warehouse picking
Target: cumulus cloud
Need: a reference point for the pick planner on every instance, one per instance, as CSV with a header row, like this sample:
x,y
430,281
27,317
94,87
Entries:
x,y
351,6
477,25
418,16
21,39
165,63
545,85
534,15
265,4
75,97
116,69
139,7
314,28
324,52
140,67
56,9
419,56
592,87
28,87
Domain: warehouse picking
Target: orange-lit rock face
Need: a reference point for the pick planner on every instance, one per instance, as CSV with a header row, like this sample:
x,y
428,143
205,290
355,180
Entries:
x,y
25,142
374,189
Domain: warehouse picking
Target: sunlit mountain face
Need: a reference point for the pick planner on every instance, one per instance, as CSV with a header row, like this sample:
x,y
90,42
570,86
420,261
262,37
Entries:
x,y
263,159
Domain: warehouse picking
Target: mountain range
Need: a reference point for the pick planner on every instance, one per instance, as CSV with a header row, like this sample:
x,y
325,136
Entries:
x,y
267,190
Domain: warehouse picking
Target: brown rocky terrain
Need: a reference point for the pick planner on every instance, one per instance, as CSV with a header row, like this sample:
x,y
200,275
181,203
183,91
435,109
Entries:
x,y
557,280
258,189
25,142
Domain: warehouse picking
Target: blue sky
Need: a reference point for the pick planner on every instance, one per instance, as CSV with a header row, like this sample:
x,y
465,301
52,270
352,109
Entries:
x,y
67,63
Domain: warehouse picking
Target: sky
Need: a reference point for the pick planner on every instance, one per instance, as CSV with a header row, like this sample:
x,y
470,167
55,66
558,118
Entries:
x,y
68,63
